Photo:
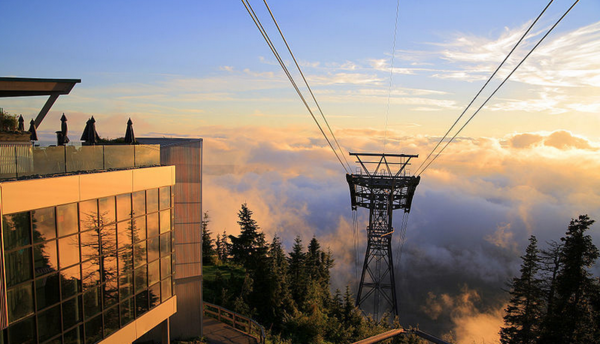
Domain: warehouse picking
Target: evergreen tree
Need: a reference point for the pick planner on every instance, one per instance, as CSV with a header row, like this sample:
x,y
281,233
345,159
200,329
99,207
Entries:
x,y
250,246
208,248
550,265
572,319
524,311
297,272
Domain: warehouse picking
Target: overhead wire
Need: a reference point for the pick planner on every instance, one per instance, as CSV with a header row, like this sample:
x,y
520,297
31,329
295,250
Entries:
x,y
485,85
265,35
499,86
387,111
306,82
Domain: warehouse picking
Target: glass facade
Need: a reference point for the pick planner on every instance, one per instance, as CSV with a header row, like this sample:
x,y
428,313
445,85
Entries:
x,y
76,273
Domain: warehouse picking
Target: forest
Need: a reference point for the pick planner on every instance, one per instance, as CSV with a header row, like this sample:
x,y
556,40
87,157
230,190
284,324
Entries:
x,y
288,293
555,300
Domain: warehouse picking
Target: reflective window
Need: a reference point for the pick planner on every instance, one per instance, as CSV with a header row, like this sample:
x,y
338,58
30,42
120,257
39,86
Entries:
x,y
16,230
68,251
88,214
154,295
127,311
49,323
126,285
87,268
141,278
107,210
90,244
139,203
108,239
72,311
22,332
152,200
44,224
66,219
19,302
153,272
152,225
123,207
139,254
165,244
111,295
139,228
165,221
45,258
108,268
153,247
75,336
166,286
165,267
165,197
111,321
141,303
93,330
47,291
71,281
124,235
92,302
18,266
90,271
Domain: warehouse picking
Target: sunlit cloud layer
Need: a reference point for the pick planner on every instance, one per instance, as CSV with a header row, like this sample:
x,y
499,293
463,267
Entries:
x,y
471,217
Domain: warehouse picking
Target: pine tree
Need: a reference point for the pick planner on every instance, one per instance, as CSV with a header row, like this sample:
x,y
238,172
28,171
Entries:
x,y
572,319
208,248
250,246
297,272
524,311
550,265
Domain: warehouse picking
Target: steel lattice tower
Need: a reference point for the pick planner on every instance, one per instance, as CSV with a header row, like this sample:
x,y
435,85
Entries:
x,y
382,190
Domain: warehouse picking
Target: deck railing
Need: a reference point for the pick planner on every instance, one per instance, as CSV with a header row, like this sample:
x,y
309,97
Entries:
x,y
237,321
18,161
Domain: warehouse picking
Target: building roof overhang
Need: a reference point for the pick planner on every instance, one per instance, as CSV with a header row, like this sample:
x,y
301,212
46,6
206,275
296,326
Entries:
x,y
29,87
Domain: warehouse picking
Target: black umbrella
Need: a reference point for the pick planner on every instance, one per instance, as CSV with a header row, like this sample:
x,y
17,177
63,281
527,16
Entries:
x,y
84,135
129,135
32,131
21,123
63,129
91,136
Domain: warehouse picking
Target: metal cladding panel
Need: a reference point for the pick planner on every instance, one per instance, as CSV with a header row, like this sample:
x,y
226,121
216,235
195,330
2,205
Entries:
x,y
3,308
186,156
187,322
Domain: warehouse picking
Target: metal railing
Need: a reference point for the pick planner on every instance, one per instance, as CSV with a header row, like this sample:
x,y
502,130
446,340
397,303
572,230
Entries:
x,y
17,161
237,321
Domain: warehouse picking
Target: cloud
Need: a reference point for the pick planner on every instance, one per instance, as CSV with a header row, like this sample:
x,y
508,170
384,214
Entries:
x,y
471,216
560,139
472,324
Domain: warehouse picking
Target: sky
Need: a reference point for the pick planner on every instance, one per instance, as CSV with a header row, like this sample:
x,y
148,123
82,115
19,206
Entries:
x,y
526,164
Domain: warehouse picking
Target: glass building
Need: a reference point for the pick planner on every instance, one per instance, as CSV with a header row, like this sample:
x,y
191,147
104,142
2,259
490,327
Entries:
x,y
88,258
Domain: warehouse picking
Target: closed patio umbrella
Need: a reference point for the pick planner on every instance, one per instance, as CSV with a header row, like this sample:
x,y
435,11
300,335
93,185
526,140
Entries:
x,y
32,131
63,129
21,123
129,135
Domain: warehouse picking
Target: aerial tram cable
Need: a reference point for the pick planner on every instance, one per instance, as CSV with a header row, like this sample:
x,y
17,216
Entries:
x,y
289,76
484,86
499,86
306,83
387,111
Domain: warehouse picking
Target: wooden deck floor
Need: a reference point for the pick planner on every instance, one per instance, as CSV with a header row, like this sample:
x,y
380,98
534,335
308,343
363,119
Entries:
x,y
216,332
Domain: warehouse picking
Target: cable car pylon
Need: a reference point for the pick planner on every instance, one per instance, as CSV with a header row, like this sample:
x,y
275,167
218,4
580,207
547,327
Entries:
x,y
382,189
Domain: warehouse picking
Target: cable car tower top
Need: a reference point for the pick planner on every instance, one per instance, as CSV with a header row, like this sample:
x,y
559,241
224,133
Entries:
x,y
382,190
